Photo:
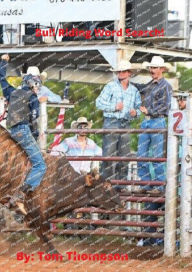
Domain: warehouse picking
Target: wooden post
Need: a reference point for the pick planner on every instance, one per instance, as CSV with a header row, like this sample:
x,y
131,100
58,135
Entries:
x,y
121,23
122,53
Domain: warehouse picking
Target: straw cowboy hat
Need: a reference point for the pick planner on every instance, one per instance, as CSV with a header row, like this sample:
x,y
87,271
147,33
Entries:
x,y
123,65
158,61
34,70
81,120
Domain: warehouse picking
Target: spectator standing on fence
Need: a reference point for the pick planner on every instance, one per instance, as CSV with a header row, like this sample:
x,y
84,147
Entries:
x,y
120,102
156,105
23,112
80,145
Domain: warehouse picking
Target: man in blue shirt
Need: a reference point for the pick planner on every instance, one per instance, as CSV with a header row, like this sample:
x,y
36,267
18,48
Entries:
x,y
120,102
155,106
23,113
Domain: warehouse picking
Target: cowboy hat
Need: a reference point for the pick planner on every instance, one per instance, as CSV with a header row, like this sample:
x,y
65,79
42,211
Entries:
x,y
34,70
156,61
81,120
123,65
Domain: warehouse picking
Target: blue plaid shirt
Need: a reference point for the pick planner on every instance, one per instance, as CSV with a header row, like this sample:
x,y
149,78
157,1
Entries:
x,y
52,97
112,94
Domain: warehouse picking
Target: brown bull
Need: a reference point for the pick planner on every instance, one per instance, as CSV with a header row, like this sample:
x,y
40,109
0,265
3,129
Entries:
x,y
61,191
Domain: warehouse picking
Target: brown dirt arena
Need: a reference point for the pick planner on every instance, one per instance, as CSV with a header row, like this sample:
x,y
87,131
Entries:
x,y
145,259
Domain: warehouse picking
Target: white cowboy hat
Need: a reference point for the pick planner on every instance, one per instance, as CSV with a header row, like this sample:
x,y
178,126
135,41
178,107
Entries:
x,y
34,70
156,61
81,120
123,65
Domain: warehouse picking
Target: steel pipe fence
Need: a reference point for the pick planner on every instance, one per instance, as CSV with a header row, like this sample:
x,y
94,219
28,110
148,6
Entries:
x,y
106,131
109,233
172,171
128,159
125,197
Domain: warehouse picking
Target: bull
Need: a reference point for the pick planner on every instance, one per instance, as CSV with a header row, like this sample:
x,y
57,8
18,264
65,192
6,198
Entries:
x,y
61,191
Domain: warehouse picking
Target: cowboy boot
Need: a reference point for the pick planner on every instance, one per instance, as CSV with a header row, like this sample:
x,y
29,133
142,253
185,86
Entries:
x,y
18,198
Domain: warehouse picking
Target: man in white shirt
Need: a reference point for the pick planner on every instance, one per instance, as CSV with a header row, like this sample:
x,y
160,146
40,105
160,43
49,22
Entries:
x,y
79,145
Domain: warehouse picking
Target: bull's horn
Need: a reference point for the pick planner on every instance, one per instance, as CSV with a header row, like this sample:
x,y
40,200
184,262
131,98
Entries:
x,y
88,180
95,173
97,176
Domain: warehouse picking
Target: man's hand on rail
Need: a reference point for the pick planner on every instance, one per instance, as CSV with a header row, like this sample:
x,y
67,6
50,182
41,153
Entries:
x,y
43,99
5,57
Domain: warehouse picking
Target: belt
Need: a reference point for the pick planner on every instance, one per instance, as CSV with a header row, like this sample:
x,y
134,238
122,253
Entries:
x,y
149,117
117,119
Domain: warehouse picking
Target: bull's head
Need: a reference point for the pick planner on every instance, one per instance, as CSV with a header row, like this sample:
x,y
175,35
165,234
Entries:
x,y
101,193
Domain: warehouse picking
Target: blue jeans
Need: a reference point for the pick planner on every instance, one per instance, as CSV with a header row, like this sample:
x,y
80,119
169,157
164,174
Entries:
x,y
151,145
115,145
22,134
153,206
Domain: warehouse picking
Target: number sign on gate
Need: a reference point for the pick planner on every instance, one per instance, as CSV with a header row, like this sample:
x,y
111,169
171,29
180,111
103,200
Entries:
x,y
177,122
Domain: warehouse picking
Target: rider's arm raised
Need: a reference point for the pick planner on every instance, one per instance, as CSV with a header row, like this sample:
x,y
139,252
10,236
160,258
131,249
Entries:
x,y
6,87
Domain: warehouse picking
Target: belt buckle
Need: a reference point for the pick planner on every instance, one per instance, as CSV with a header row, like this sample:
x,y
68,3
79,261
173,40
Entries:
x,y
147,117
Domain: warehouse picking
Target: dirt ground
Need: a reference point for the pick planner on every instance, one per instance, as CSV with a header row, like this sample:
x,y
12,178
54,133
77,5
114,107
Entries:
x,y
145,259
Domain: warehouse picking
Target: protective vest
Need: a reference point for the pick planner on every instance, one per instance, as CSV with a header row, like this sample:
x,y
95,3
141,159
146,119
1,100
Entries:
x,y
19,110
